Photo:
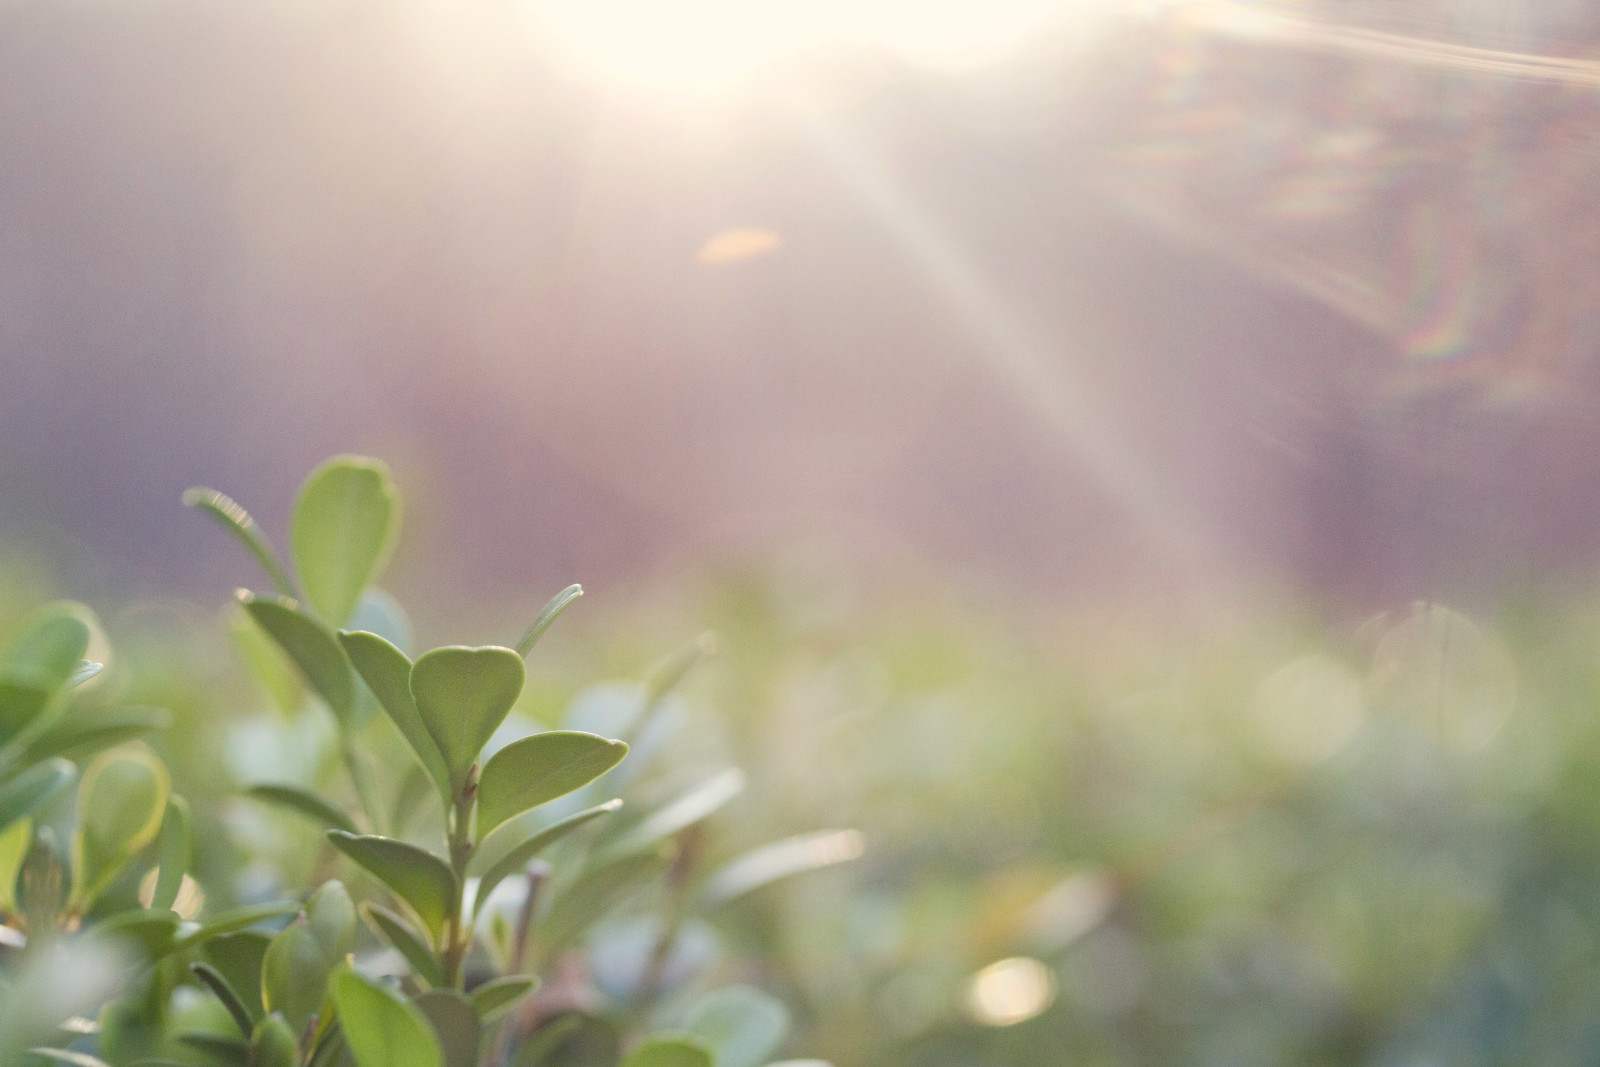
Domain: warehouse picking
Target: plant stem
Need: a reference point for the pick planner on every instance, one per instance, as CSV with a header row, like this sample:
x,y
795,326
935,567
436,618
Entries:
x,y
458,930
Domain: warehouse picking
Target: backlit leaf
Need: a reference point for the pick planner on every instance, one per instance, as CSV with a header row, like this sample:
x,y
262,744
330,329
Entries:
x,y
416,875
310,645
463,695
176,852
547,615
668,1051
455,1025
345,522
33,789
303,802
698,803
381,1027
741,1025
405,940
121,801
387,672
237,521
538,769
517,856
499,995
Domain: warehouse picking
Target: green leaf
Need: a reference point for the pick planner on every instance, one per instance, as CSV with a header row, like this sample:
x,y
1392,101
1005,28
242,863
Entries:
x,y
14,842
294,974
455,1025
121,801
547,615
463,695
85,733
518,855
668,1051
175,851
387,672
382,1029
273,1043
62,1055
39,663
153,932
231,999
780,859
405,940
237,959
218,1048
572,1040
538,769
698,803
416,875
238,919
237,521
742,1026
594,895
345,523
332,918
495,997
46,653
311,646
267,662
302,802
33,789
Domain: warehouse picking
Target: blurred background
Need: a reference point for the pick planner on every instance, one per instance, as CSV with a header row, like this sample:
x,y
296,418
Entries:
x,y
1055,405
1067,297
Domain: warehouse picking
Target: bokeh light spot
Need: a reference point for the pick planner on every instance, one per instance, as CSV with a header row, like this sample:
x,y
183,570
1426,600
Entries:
x,y
732,246
1010,991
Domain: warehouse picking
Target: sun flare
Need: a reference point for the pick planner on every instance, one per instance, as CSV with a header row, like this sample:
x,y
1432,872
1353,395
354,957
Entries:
x,y
716,44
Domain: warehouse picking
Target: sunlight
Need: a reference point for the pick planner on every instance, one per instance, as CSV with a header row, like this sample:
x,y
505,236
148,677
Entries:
x,y
701,45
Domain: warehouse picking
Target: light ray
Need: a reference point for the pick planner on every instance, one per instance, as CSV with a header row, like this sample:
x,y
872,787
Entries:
x,y
1035,369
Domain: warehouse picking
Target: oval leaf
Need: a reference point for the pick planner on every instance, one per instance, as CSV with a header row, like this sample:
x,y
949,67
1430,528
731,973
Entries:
x,y
273,1043
218,983
83,734
294,975
382,1029
310,645
14,842
387,672
237,958
463,695
594,895
698,803
538,769
780,859
345,523
547,615
742,1026
121,801
176,852
303,802
33,789
497,996
405,940
518,855
233,921
237,521
416,875
332,918
46,653
455,1025
668,1051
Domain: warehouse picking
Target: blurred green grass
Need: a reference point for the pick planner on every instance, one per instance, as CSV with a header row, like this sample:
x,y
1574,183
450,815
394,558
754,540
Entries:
x,y
1264,840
